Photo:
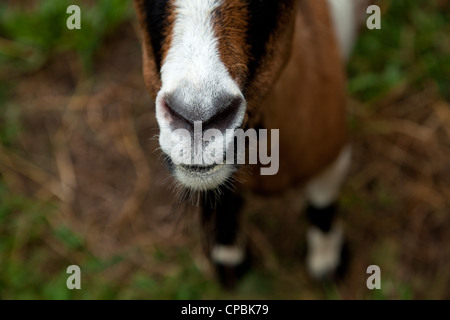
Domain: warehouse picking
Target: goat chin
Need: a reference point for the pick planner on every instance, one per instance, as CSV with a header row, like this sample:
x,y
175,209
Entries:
x,y
202,178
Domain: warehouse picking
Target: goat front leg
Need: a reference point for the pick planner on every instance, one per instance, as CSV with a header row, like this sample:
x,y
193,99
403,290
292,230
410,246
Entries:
x,y
225,243
325,236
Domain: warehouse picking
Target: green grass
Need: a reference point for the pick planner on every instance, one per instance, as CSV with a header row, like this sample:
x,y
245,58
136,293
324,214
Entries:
x,y
411,48
38,33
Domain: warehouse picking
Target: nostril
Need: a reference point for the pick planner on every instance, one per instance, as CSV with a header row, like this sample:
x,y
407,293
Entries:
x,y
175,118
228,110
182,110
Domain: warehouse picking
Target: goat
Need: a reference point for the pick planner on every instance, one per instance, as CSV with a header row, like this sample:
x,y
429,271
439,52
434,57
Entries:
x,y
272,64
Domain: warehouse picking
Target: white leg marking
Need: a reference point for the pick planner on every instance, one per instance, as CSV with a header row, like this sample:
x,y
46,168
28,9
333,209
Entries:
x,y
227,255
324,251
323,190
345,22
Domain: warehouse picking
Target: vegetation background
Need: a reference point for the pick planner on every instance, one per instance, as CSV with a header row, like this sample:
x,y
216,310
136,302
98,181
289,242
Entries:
x,y
81,183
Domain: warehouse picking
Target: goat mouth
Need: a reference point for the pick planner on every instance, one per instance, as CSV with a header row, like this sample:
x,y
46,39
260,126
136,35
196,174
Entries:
x,y
201,170
201,178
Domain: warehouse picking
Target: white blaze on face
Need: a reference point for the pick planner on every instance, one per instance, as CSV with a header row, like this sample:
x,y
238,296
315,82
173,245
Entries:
x,y
194,70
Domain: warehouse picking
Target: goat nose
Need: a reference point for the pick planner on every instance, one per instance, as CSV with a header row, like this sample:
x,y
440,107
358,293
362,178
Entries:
x,y
224,110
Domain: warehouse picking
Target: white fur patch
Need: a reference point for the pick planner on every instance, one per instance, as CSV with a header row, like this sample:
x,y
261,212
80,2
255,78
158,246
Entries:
x,y
343,13
227,255
194,69
323,190
324,251
194,57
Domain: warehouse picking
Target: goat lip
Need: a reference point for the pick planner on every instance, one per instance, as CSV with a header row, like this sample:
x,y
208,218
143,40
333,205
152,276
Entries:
x,y
196,169
202,178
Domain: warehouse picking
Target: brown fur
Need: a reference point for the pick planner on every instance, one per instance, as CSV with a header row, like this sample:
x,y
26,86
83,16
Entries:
x,y
152,81
230,28
278,52
168,33
151,75
307,103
